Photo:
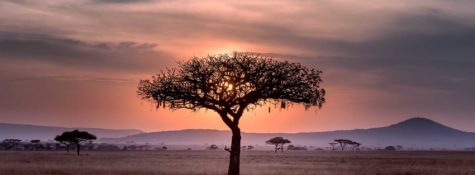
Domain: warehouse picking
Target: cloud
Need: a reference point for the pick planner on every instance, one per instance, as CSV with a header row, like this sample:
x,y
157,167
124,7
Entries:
x,y
429,50
420,49
423,61
121,1
42,48
403,45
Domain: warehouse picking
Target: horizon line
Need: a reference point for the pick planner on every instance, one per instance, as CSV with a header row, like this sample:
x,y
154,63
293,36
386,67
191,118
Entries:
x,y
184,129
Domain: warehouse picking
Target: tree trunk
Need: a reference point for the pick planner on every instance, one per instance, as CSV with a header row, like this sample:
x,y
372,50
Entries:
x,y
78,147
276,148
282,148
67,147
235,152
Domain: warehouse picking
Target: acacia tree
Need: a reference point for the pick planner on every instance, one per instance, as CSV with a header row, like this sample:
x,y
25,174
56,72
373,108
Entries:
x,y
278,142
232,84
74,137
342,142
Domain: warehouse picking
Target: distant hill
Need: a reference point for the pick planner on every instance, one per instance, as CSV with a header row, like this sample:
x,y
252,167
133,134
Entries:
x,y
415,133
22,131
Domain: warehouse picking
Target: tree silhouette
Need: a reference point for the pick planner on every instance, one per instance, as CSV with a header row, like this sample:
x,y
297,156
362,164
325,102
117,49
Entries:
x,y
232,84
36,141
9,144
292,147
213,147
74,137
390,148
343,143
279,143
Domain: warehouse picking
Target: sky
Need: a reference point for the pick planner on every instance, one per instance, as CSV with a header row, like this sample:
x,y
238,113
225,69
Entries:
x,y
78,62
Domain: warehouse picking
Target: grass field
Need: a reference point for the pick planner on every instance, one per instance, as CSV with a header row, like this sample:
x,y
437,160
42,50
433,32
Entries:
x,y
252,162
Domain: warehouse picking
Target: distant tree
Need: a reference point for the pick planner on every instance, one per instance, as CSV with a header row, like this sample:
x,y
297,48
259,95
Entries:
x,y
278,142
212,147
8,144
333,145
250,147
399,147
74,137
390,148
292,147
343,143
354,145
164,147
36,141
232,84
35,144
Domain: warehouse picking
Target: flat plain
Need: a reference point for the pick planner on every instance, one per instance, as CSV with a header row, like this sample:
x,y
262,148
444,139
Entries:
x,y
252,163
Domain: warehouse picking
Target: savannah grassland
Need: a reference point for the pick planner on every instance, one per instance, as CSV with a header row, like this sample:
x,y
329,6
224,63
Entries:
x,y
252,162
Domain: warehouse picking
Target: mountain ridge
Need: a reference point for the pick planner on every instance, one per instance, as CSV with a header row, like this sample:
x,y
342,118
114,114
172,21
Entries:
x,y
30,131
414,132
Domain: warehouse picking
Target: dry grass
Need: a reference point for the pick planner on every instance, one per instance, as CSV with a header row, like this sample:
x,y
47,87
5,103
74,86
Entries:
x,y
253,162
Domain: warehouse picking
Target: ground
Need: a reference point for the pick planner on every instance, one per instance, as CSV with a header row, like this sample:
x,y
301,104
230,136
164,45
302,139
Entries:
x,y
253,163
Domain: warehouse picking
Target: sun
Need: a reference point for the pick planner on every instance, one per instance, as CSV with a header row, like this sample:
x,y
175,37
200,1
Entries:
x,y
229,49
229,86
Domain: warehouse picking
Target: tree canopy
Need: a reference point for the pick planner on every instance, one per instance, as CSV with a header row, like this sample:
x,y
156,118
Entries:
x,y
74,137
278,141
229,84
344,142
232,84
